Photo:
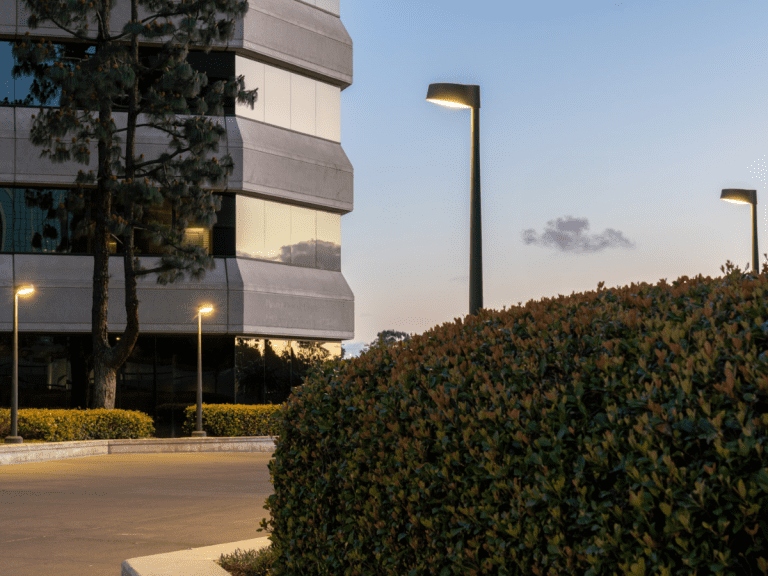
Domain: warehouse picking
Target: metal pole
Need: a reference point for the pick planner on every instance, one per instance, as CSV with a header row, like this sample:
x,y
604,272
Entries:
x,y
475,232
199,431
754,238
14,438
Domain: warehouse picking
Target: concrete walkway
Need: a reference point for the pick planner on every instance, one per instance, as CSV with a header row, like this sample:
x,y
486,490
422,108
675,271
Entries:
x,y
84,516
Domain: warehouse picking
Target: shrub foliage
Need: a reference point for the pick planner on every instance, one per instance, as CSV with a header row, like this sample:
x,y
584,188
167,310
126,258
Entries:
x,y
618,432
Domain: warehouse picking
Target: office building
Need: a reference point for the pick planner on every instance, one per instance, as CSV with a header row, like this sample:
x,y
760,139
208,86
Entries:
x,y
279,296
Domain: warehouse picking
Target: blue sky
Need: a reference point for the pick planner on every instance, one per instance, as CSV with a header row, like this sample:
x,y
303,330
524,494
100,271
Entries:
x,y
607,128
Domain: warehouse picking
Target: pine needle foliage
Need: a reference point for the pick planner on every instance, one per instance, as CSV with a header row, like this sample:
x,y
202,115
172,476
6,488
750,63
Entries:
x,y
85,76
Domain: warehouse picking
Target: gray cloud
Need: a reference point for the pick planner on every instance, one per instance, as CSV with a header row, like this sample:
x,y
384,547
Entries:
x,y
566,235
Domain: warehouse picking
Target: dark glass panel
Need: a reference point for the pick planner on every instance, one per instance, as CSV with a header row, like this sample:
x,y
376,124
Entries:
x,y
224,230
43,229
249,371
277,370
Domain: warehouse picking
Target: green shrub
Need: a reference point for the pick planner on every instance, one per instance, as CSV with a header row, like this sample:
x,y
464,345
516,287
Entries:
x,y
612,432
251,563
54,425
222,420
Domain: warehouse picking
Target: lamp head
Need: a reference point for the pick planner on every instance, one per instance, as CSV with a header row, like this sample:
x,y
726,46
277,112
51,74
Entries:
x,y
205,309
455,95
25,289
739,196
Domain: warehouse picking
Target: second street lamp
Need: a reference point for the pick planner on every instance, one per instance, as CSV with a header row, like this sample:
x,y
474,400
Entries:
x,y
198,433
468,96
14,438
739,196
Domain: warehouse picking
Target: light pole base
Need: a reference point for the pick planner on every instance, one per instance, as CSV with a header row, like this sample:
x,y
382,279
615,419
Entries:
x,y
197,434
14,439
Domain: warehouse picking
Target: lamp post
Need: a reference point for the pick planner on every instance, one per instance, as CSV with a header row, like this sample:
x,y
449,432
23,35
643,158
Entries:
x,y
14,438
198,433
468,96
738,196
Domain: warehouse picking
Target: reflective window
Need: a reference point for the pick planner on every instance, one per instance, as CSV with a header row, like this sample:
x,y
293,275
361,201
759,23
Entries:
x,y
303,234
291,100
277,97
266,371
249,228
37,230
160,376
50,228
303,104
277,228
288,234
328,111
329,241
216,65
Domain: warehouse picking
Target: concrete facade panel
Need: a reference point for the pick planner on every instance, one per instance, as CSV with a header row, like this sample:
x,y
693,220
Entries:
x,y
283,163
287,165
314,303
249,297
329,5
286,31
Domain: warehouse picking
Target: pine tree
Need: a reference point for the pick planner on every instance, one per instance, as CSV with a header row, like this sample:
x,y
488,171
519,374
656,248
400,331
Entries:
x,y
95,74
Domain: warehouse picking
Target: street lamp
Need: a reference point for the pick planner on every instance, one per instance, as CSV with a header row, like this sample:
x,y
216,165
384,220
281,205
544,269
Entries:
x,y
468,96
14,438
200,311
738,196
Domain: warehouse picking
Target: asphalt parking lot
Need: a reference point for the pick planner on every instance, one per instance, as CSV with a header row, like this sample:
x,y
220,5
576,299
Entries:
x,y
84,516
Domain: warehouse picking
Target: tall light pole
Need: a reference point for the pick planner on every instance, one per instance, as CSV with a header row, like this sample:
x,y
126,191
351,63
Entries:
x,y
468,96
14,438
200,311
738,196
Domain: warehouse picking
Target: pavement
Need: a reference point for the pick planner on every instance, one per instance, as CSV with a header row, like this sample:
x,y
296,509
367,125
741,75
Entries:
x,y
84,516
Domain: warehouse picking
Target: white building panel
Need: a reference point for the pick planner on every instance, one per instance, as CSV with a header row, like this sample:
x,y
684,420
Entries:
x,y
328,112
303,104
277,97
254,78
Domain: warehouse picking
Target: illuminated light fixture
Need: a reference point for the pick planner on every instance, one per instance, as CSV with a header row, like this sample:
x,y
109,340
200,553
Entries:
x,y
468,96
204,309
14,438
199,237
739,196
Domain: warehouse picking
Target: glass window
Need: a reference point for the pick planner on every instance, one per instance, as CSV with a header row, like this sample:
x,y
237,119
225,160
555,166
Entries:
x,y
303,104
249,227
303,233
328,241
288,234
277,228
277,370
254,78
328,112
36,230
277,96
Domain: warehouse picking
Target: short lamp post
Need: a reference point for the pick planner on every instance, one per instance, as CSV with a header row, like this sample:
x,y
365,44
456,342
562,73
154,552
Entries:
x,y
468,96
14,438
199,433
738,196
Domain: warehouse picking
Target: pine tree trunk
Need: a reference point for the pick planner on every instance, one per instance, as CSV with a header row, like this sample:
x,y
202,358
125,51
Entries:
x,y
107,385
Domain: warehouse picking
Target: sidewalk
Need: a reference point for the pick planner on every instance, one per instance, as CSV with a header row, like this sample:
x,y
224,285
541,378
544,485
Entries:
x,y
84,516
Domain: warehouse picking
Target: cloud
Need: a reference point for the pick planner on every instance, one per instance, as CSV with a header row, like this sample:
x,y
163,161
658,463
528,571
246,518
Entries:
x,y
566,235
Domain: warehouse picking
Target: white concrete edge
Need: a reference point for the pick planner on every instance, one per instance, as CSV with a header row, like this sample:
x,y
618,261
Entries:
x,y
192,562
39,452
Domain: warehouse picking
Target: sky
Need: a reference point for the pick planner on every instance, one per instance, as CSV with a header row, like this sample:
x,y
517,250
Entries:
x,y
607,132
